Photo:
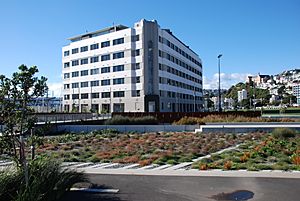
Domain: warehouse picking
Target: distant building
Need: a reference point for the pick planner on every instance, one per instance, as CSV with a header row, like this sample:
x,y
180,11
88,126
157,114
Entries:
x,y
46,104
242,95
296,92
215,100
274,98
258,80
229,103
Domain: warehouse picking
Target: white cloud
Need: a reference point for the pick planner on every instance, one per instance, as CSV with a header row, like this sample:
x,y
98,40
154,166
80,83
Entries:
x,y
55,89
227,80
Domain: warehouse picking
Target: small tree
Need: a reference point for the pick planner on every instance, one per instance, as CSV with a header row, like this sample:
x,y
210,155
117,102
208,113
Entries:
x,y
16,93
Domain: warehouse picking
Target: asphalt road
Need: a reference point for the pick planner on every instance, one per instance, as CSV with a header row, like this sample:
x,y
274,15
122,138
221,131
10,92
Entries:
x,y
190,188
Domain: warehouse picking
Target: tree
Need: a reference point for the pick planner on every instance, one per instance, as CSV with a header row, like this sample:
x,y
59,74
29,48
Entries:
x,y
16,114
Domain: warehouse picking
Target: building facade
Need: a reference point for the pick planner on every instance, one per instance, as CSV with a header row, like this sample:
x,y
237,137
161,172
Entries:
x,y
139,69
242,95
296,92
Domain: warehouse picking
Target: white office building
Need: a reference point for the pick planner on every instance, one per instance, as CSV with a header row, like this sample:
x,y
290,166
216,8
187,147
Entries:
x,y
139,69
242,95
296,92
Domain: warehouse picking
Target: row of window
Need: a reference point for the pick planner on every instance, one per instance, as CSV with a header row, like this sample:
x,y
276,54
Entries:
x,y
178,62
105,57
95,71
177,95
94,59
163,80
103,45
179,73
97,83
178,50
116,94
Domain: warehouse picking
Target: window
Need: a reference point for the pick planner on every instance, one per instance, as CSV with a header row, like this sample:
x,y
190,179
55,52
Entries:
x,y
105,94
105,44
95,95
118,41
67,65
94,71
118,55
84,61
94,46
66,75
75,74
118,81
84,84
136,93
135,80
118,68
67,97
94,59
75,96
135,66
105,70
75,63
119,94
66,86
66,53
135,53
105,82
95,83
105,57
135,38
84,49
84,73
75,85
84,96
75,51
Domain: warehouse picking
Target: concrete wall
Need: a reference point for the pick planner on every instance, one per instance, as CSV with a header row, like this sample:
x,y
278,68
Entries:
x,y
126,128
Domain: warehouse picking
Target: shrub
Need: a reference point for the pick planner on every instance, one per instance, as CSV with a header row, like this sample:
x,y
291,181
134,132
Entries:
x,y
121,120
283,133
189,121
227,165
47,182
203,166
295,159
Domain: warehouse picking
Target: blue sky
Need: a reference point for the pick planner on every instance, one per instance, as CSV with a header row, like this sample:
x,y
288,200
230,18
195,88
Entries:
x,y
253,36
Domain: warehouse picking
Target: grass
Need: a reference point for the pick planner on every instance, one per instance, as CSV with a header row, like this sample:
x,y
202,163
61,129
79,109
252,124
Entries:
x,y
159,148
47,182
121,120
277,151
227,118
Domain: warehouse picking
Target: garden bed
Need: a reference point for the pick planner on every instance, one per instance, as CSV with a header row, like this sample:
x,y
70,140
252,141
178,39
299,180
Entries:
x,y
151,148
277,151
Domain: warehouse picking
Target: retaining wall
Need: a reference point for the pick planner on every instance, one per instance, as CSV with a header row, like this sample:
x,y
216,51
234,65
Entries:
x,y
126,128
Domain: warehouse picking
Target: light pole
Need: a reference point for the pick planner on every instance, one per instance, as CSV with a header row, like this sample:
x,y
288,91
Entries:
x,y
219,63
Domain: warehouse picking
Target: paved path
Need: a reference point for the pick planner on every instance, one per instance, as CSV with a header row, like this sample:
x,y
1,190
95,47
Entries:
x,y
172,188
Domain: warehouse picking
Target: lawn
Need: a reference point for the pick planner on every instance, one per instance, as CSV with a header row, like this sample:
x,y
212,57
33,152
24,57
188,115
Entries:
x,y
272,152
158,148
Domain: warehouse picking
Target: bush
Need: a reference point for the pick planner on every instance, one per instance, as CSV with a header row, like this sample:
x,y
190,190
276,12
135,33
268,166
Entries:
x,y
121,120
283,133
47,182
188,121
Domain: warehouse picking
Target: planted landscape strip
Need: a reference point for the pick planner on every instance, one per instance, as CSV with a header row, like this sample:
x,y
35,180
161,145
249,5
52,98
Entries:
x,y
277,151
144,149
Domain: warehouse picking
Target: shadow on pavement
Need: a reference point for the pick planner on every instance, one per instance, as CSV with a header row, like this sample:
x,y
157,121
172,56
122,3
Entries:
x,y
79,196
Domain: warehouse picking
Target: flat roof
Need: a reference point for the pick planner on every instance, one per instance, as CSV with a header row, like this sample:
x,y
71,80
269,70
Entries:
x,y
98,32
170,32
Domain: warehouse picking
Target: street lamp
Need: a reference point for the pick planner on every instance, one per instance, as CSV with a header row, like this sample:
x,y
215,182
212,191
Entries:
x,y
219,63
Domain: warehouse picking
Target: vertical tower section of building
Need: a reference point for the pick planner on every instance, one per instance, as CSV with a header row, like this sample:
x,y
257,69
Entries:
x,y
150,59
